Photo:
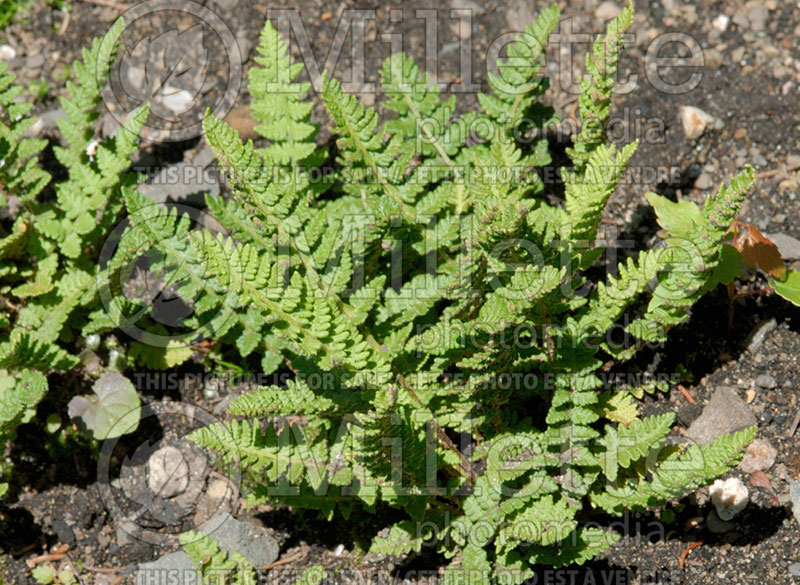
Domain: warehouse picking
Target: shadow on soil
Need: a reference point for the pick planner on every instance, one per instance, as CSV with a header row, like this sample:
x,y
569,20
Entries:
x,y
752,526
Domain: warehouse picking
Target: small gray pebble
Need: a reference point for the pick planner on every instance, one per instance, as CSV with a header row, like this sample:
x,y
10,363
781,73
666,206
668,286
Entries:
x,y
766,381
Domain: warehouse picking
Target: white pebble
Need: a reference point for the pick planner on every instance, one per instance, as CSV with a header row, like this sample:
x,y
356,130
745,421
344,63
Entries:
x,y
168,472
721,23
729,497
695,121
7,52
177,101
91,148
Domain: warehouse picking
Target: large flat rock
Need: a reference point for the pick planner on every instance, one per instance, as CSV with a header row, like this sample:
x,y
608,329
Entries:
x,y
173,569
725,413
176,568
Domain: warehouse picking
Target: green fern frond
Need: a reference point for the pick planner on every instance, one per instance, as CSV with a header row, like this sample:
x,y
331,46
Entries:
x,y
296,399
430,274
19,173
84,95
313,575
588,542
398,539
214,564
519,84
586,195
720,208
17,393
597,87
424,122
245,167
50,255
24,350
626,444
679,472
279,104
689,262
370,168
46,315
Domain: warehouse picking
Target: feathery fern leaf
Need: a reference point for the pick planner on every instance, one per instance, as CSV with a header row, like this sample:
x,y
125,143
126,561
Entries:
x,y
519,84
279,105
597,87
415,300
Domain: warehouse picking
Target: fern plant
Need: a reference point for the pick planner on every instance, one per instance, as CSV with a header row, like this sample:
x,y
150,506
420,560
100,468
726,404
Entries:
x,y
48,254
393,298
216,565
433,307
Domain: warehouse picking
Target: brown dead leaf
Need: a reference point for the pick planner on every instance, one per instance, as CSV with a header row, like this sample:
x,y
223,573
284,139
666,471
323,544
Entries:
x,y
758,251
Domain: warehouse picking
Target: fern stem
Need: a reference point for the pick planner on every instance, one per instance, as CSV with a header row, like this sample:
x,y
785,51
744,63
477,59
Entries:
x,y
431,137
446,442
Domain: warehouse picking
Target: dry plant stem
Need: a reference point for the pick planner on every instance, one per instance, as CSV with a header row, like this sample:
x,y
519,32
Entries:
x,y
284,561
67,561
733,296
103,570
65,23
56,555
686,394
793,428
689,549
470,472
771,173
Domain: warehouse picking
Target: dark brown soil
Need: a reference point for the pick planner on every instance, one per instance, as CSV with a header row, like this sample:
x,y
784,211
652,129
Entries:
x,y
749,80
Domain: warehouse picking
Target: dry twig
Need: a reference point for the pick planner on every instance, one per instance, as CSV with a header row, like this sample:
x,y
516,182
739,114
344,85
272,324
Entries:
x,y
56,555
689,549
283,561
103,570
686,394
795,422
66,21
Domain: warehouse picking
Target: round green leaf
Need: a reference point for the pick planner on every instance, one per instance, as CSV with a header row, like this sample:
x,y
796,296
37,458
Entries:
x,y
789,287
114,410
